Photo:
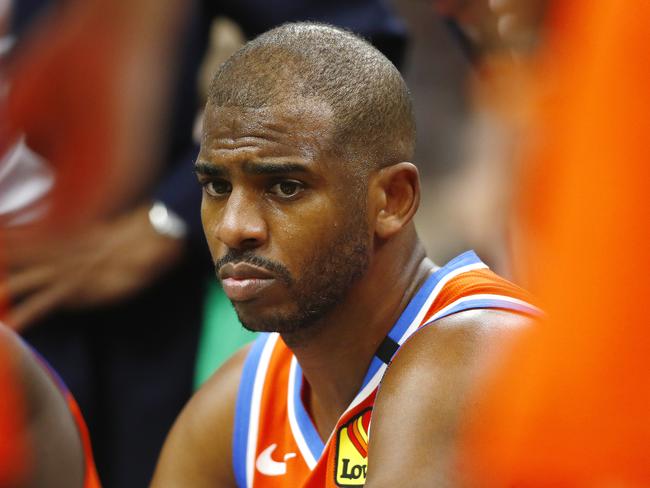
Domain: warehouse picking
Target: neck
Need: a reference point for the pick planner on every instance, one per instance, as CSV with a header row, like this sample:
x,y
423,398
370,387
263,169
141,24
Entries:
x,y
336,355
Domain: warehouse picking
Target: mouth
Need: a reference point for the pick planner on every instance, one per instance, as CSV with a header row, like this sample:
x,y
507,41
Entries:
x,y
243,282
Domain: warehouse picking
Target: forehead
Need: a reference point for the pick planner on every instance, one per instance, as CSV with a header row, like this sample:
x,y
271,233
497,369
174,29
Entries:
x,y
302,128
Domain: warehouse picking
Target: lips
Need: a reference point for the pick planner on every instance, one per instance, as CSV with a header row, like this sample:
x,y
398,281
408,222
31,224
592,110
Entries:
x,y
242,282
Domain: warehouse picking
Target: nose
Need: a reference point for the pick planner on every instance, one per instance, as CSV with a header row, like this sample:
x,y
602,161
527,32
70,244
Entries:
x,y
241,226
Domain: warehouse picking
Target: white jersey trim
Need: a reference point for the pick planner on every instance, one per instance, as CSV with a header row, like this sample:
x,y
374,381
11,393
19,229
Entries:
x,y
415,323
434,294
253,426
495,299
293,421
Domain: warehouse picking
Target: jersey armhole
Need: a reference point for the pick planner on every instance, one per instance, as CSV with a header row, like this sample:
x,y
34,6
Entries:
x,y
477,302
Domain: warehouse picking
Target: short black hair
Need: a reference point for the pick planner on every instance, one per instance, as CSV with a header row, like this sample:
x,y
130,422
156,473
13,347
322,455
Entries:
x,y
371,105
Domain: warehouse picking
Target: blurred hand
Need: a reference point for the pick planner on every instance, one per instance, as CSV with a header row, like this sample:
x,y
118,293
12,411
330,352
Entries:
x,y
99,265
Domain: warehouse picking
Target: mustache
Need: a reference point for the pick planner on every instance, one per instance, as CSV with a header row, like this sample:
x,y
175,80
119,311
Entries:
x,y
234,256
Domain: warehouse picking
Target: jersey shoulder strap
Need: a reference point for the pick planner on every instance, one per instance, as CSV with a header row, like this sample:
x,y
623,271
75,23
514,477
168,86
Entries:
x,y
247,407
465,283
480,288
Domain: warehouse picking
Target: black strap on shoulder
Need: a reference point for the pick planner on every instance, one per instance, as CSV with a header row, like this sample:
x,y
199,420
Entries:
x,y
387,349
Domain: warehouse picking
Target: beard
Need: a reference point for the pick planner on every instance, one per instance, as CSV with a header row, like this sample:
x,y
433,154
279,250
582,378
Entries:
x,y
329,272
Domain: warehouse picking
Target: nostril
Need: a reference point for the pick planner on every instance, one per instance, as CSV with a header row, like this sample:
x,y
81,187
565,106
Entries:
x,y
249,243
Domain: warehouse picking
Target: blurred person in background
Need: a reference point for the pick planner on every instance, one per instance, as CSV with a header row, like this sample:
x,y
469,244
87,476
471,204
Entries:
x,y
43,437
494,38
567,404
115,303
84,90
445,77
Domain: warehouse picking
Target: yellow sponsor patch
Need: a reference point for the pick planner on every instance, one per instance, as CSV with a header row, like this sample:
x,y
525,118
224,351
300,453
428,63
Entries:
x,y
352,451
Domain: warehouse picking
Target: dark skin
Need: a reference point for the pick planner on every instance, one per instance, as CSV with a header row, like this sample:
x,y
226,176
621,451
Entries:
x,y
284,216
428,388
50,430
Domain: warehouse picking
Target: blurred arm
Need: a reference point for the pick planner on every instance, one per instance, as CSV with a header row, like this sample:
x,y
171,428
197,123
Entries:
x,y
54,443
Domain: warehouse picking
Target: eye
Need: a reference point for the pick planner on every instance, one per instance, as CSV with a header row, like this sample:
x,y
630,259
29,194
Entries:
x,y
217,188
287,188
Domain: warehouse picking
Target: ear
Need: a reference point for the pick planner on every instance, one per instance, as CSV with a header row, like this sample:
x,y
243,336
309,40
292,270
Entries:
x,y
395,197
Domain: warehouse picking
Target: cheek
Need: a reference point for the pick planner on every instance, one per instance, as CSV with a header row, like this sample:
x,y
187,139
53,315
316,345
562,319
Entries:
x,y
209,220
306,247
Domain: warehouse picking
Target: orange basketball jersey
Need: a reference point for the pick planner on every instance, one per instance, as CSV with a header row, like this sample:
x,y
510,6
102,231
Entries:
x,y
275,443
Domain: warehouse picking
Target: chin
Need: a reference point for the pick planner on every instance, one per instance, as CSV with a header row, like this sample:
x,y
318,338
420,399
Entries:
x,y
283,323
257,320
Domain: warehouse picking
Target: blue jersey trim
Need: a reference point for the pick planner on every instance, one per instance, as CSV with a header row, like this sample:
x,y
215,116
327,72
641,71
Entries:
x,y
243,410
417,302
305,424
480,304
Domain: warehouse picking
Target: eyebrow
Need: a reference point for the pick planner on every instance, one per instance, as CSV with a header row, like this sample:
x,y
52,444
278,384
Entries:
x,y
205,169
273,168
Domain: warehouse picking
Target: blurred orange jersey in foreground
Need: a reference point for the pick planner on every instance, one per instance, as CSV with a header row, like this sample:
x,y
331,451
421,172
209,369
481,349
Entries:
x,y
571,407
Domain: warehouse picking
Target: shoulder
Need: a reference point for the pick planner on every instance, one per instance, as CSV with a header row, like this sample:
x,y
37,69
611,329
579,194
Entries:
x,y
57,448
457,339
425,391
198,449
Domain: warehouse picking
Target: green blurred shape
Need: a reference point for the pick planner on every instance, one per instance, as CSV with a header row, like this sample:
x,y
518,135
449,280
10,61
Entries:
x,y
221,335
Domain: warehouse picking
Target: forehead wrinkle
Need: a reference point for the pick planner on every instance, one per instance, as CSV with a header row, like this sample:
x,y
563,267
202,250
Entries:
x,y
289,159
232,155
254,154
251,142
302,128
224,136
277,118
303,149
272,132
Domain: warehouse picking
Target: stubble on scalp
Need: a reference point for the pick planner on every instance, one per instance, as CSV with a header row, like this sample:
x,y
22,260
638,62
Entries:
x,y
371,105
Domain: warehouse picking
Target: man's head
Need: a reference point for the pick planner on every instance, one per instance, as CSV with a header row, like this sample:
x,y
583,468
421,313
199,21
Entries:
x,y
306,132
370,105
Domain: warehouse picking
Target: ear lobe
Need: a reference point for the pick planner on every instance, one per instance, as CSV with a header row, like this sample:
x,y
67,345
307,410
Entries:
x,y
399,197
